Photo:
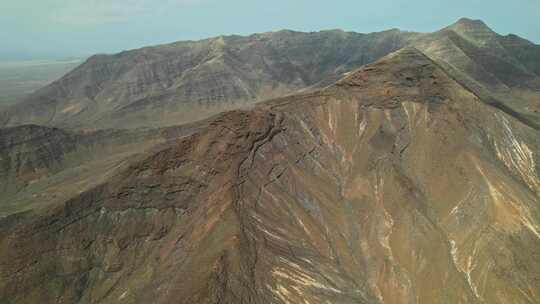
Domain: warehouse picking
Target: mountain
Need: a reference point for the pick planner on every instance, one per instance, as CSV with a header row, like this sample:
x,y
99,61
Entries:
x,y
395,184
186,81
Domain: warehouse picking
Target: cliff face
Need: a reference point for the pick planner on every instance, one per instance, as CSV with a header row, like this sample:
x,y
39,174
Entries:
x,y
394,185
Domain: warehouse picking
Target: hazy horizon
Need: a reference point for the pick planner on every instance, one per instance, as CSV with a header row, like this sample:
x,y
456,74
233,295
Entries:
x,y
53,29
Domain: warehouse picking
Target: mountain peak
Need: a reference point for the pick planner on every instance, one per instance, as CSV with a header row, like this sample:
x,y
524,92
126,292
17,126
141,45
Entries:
x,y
405,75
475,31
408,58
471,23
466,25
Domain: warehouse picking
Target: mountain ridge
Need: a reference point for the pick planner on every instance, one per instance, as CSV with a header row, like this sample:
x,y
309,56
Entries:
x,y
185,81
225,65
342,194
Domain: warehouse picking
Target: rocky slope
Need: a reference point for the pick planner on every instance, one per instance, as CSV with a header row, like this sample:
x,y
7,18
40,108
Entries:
x,y
187,81
40,166
394,185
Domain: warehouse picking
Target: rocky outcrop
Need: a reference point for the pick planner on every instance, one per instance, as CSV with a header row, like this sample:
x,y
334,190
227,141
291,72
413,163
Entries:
x,y
395,185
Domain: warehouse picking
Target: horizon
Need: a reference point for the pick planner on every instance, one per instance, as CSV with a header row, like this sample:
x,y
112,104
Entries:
x,y
57,29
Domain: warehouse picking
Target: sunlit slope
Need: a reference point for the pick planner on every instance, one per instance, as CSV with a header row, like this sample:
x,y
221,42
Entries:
x,y
394,185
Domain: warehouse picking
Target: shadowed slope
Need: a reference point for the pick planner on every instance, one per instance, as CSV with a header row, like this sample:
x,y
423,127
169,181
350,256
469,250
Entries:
x,y
42,166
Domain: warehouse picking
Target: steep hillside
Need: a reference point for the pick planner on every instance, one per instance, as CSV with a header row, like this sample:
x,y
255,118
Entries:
x,y
394,185
41,166
28,149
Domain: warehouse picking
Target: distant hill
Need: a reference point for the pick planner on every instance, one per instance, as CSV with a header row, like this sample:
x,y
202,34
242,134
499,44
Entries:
x,y
186,81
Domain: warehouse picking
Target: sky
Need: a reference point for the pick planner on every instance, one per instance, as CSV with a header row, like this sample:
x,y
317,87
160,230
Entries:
x,y
48,29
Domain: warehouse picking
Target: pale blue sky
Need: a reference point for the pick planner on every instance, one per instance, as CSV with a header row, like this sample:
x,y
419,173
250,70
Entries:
x,y
59,28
